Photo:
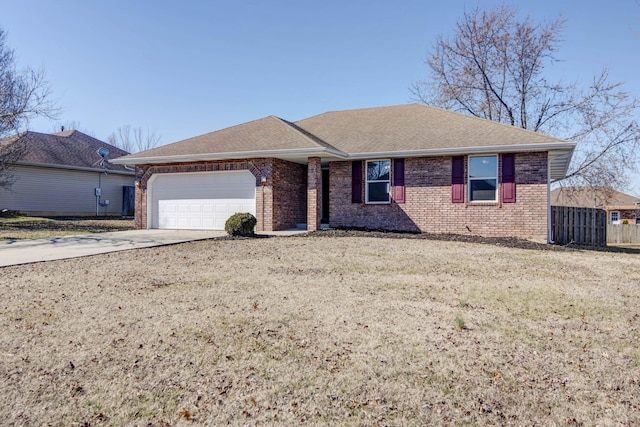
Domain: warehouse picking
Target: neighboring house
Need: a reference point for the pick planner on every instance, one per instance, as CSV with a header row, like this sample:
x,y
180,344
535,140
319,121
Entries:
x,y
408,167
619,206
59,175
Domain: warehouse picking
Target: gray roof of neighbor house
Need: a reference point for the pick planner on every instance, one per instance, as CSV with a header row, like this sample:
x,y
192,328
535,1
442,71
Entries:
x,y
593,197
395,131
70,149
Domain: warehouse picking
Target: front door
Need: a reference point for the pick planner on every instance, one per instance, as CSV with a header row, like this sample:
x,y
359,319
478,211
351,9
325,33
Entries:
x,y
325,197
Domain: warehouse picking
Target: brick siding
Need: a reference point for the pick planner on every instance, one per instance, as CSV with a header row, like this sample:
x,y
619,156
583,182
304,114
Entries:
x,y
629,214
314,193
428,207
289,201
281,200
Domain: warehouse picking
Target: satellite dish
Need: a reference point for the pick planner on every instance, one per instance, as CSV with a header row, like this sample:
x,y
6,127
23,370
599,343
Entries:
x,y
103,152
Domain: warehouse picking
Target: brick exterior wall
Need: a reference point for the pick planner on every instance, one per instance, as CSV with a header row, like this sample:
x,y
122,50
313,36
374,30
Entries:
x,y
281,200
631,215
284,199
289,203
428,207
314,193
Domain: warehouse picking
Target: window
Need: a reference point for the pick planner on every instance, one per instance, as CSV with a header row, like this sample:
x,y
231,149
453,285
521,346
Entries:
x,y
378,181
614,217
483,178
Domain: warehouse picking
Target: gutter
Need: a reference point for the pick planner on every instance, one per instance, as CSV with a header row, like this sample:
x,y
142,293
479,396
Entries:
x,y
308,152
342,155
549,223
467,150
76,168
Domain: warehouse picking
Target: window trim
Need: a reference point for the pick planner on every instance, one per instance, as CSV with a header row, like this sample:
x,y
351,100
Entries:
x,y
617,221
367,181
495,177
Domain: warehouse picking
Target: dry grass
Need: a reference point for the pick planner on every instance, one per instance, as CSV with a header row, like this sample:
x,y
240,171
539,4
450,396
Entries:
x,y
323,331
26,227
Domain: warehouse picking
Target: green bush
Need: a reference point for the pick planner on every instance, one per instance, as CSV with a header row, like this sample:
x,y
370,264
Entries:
x,y
240,224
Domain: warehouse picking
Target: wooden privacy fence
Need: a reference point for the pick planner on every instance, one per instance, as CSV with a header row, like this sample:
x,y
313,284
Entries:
x,y
578,226
623,233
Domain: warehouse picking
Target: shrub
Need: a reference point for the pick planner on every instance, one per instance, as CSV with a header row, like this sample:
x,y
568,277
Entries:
x,y
240,224
625,221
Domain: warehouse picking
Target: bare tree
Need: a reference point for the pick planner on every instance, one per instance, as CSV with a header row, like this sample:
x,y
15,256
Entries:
x,y
24,95
134,140
71,125
494,67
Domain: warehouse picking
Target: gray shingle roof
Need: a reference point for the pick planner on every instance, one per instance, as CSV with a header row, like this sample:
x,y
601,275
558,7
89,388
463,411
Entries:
x,y
411,130
266,134
591,197
68,149
413,127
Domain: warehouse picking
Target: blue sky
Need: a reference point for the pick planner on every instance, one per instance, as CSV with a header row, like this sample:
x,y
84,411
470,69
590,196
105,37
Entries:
x,y
189,67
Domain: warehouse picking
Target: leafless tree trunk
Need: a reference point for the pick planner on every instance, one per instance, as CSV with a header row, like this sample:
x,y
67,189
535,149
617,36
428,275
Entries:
x,y
24,94
133,140
494,67
71,125
122,138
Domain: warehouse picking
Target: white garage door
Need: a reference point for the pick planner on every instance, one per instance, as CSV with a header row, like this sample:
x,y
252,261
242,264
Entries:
x,y
200,201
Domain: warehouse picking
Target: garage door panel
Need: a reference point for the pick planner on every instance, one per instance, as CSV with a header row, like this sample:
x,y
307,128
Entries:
x,y
201,200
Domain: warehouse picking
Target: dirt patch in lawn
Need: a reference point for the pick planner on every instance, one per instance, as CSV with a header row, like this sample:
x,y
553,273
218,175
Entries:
x,y
323,330
25,227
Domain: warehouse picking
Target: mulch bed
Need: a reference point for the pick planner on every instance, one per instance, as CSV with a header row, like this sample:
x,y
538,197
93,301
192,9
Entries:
x,y
509,242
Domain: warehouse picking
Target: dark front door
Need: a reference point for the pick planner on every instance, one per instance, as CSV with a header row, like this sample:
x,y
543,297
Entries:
x,y
325,197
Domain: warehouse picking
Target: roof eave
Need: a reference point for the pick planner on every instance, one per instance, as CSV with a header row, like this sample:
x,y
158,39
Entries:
x,y
562,152
622,207
76,168
297,153
467,150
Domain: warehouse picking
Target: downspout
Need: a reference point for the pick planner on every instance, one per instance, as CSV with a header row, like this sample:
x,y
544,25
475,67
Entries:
x,y
97,193
549,230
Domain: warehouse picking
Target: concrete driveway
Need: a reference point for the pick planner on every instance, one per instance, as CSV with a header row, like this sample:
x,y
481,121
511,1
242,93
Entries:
x,y
13,252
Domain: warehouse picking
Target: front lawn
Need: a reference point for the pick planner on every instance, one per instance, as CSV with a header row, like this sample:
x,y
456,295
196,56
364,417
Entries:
x,y
323,331
26,227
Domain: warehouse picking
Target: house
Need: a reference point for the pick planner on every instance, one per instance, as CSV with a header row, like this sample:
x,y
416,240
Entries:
x,y
620,207
407,168
64,173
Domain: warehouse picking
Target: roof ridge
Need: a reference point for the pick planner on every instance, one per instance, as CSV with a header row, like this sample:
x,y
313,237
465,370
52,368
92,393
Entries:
x,y
440,109
308,135
218,130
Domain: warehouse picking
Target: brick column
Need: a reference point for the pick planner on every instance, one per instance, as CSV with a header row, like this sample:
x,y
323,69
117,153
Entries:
x,y
140,207
264,208
314,193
